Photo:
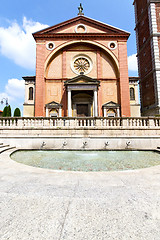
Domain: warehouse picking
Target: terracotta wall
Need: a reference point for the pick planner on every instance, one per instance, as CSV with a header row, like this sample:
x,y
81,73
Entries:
x,y
40,84
50,85
124,80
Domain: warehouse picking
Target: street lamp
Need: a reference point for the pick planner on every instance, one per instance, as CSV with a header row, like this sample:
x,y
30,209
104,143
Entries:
x,y
6,100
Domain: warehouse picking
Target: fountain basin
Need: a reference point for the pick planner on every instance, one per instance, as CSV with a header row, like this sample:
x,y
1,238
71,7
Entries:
x,y
66,160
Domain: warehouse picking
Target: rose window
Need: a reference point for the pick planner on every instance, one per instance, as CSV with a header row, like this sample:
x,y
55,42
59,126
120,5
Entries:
x,y
81,64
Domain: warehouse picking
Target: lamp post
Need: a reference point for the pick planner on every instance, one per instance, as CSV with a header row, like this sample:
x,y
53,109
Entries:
x,y
4,100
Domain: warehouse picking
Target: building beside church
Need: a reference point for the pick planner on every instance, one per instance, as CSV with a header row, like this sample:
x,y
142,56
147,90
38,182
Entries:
x,y
147,18
81,71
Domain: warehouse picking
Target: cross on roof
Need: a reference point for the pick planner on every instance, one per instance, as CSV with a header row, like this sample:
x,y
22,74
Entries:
x,y
80,8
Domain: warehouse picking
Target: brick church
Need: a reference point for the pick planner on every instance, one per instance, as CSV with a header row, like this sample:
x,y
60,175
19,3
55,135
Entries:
x,y
147,15
81,71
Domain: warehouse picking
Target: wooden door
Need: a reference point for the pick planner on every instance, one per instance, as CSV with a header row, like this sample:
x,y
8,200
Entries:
x,y
82,110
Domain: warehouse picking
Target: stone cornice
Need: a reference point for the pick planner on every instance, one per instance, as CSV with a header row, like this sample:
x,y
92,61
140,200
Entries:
x,y
82,20
29,78
80,36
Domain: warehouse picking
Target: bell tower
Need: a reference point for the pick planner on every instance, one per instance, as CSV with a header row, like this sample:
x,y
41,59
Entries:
x,y
147,20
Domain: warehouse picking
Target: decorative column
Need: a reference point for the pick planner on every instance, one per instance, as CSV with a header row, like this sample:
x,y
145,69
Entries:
x,y
93,108
95,103
69,104
105,112
118,112
60,112
47,112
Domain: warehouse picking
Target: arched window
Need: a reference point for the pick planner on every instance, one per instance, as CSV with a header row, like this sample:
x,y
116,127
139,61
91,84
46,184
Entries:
x,y
31,93
132,94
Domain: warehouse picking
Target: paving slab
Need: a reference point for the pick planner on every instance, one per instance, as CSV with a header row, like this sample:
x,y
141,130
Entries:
x,y
45,204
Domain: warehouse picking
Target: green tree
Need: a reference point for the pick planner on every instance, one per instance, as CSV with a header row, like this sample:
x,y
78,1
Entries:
x,y
9,111
17,113
4,114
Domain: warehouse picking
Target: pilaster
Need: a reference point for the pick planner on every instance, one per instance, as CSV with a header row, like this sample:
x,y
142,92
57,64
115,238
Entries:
x,y
40,82
124,80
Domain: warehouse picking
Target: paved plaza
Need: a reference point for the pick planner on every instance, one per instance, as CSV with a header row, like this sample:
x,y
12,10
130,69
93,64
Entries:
x,y
37,204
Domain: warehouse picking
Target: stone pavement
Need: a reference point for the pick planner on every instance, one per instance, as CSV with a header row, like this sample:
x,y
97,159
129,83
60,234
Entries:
x,y
37,204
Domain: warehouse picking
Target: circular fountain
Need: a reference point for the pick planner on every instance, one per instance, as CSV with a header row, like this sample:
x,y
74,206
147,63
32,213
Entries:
x,y
87,160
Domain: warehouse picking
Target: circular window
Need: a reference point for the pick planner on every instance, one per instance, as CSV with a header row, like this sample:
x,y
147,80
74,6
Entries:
x,y
112,45
80,28
81,65
50,45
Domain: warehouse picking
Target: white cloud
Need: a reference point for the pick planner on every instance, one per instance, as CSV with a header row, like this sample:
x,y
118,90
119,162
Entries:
x,y
132,63
14,93
17,43
15,88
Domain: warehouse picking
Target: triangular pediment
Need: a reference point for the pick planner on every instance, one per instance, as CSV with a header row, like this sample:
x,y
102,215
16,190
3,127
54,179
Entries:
x,y
111,104
82,80
91,27
53,104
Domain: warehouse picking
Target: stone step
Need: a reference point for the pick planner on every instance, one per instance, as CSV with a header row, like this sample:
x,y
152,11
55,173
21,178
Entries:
x,y
1,146
6,149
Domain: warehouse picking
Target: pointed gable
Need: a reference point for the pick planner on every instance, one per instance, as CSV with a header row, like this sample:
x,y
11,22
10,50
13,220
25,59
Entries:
x,y
82,80
91,27
111,104
53,104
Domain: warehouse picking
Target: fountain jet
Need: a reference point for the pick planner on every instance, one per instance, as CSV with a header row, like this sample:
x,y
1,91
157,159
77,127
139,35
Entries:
x,y
128,143
42,145
64,144
84,144
106,144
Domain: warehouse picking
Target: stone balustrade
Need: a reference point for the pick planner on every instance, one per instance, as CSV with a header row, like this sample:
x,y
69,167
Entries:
x,y
69,123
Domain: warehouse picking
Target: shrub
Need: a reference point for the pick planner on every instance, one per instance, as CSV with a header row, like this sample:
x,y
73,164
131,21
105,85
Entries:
x,y
6,111
17,113
4,114
9,111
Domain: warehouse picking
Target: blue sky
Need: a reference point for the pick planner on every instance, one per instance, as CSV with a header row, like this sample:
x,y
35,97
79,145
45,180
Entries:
x,y
18,19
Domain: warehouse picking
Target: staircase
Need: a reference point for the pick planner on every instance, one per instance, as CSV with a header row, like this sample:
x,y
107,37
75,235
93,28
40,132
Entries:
x,y
5,147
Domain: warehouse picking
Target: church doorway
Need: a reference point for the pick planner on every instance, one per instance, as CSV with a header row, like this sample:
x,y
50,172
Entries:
x,y
82,110
82,103
82,96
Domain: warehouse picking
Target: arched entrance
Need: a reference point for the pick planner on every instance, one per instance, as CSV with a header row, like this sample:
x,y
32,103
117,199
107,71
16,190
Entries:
x,y
82,97
82,103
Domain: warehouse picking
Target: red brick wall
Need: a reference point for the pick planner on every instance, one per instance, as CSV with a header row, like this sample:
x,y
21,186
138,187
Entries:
x,y
99,75
141,6
145,60
147,91
144,56
122,93
158,16
124,81
40,84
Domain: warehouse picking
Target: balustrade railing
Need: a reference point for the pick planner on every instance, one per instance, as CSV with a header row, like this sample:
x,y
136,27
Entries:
x,y
89,122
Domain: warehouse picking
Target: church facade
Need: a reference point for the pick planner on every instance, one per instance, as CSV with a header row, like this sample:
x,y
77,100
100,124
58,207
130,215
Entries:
x,y
81,71
147,18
